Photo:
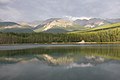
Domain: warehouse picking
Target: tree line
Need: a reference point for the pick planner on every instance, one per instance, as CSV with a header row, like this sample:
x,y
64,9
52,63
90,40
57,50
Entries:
x,y
112,35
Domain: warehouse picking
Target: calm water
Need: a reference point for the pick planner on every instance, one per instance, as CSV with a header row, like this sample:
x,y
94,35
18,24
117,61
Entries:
x,y
60,62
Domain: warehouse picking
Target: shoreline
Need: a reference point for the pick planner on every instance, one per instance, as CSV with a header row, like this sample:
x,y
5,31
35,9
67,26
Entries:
x,y
29,46
63,43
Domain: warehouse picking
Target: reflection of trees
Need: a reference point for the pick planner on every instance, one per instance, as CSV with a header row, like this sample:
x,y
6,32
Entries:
x,y
59,55
107,52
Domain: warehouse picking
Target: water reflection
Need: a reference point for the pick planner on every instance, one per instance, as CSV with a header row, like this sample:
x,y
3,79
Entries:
x,y
73,56
61,63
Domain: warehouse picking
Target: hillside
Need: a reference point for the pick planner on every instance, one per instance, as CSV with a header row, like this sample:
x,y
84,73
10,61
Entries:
x,y
104,27
113,20
109,26
57,23
8,24
61,25
17,30
56,30
14,27
91,23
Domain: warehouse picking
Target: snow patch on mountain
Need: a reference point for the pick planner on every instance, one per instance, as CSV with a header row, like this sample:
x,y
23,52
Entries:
x,y
75,18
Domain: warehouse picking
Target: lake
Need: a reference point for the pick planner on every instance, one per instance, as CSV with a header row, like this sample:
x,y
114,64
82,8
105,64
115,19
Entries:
x,y
60,62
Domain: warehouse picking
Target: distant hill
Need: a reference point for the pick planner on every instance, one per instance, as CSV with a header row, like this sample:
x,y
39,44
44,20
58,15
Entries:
x,y
91,23
104,27
58,23
32,23
14,27
113,20
17,30
5,24
44,23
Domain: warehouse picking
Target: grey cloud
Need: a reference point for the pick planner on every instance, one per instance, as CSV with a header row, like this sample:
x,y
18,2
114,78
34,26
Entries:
x,y
4,2
42,9
9,13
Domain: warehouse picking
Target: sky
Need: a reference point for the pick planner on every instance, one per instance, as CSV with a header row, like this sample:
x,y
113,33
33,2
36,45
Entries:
x,y
31,10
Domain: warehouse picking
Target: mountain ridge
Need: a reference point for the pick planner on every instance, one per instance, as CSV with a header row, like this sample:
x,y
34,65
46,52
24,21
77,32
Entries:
x,y
60,25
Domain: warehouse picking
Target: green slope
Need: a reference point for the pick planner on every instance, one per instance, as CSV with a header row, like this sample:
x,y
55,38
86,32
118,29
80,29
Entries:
x,y
109,26
105,27
17,30
3,24
55,31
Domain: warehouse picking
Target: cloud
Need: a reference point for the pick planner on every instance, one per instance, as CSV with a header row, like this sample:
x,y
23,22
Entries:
x,y
42,9
112,11
9,14
2,2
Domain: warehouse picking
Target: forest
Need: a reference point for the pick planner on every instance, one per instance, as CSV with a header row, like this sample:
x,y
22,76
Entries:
x,y
111,35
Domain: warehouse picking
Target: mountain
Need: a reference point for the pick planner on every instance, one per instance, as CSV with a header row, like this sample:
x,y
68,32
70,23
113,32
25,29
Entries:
x,y
100,28
113,20
44,23
14,27
17,30
9,24
93,22
58,23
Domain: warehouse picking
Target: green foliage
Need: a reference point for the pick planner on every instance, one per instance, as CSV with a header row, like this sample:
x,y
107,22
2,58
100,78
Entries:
x,y
112,35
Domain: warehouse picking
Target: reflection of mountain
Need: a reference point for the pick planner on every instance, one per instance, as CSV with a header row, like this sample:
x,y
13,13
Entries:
x,y
75,56
44,57
62,60
59,60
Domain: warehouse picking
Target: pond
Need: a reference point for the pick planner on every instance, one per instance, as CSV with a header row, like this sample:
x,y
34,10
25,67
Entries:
x,y
60,62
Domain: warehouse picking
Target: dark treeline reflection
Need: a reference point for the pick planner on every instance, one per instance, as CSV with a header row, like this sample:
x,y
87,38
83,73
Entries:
x,y
14,56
